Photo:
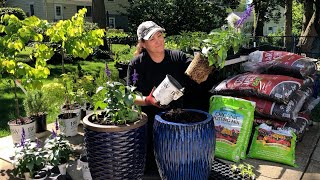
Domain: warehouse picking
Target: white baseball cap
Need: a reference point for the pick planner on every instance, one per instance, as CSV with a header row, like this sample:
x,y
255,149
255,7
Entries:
x,y
147,29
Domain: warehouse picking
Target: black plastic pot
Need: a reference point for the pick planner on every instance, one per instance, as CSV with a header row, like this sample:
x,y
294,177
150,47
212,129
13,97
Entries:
x,y
122,69
41,123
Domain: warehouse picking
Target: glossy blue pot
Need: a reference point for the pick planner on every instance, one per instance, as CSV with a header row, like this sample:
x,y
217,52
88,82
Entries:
x,y
184,151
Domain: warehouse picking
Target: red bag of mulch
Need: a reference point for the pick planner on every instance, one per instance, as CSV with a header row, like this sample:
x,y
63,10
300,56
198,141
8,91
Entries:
x,y
293,65
273,145
263,56
276,88
298,127
275,124
283,112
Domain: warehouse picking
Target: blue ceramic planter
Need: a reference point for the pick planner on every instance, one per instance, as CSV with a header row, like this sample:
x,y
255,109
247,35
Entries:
x,y
184,151
116,152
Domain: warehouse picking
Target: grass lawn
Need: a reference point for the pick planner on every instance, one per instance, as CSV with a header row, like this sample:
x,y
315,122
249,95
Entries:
x,y
7,103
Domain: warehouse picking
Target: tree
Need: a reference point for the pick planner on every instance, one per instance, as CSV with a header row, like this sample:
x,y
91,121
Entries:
x,y
177,16
288,24
308,43
264,12
99,13
297,18
2,3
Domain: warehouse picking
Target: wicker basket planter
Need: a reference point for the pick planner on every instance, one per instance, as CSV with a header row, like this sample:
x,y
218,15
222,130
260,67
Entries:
x,y
116,152
184,151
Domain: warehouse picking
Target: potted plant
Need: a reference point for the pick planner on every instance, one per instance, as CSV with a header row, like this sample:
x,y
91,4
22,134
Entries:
x,y
36,107
16,34
115,138
184,144
58,149
29,160
122,58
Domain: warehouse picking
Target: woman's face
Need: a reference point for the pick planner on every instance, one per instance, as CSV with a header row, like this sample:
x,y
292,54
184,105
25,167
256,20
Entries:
x,y
155,44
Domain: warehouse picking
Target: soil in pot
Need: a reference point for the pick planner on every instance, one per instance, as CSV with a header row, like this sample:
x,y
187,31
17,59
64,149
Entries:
x,y
67,115
20,121
183,116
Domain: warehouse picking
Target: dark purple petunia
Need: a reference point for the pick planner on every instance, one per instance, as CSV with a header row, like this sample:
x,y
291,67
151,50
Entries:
x,y
107,71
23,138
244,16
134,76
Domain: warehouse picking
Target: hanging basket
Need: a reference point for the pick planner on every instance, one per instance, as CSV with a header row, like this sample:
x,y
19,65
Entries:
x,y
116,152
199,69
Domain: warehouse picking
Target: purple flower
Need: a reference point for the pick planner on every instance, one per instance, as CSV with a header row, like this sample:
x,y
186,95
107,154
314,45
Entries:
x,y
38,143
107,71
53,134
135,76
244,16
57,125
23,138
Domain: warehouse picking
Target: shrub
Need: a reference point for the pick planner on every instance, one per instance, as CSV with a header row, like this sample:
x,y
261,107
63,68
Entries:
x,y
16,11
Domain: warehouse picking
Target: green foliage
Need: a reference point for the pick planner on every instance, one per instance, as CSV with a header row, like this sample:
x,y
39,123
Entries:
x,y
35,103
73,38
28,158
124,55
187,41
297,18
17,35
245,170
177,16
217,44
54,96
18,12
58,148
116,33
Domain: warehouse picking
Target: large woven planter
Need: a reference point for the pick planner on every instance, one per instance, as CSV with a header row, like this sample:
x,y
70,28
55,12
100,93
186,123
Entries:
x,y
184,151
116,152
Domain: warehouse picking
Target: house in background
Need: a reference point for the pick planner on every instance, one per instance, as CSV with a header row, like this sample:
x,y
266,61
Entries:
x,y
54,10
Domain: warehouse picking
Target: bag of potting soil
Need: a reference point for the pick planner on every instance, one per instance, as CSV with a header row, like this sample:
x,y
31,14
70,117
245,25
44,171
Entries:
x,y
293,65
233,119
275,124
310,104
273,145
276,88
283,112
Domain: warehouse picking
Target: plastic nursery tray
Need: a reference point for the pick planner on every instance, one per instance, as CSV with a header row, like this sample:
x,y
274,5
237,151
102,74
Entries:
x,y
222,171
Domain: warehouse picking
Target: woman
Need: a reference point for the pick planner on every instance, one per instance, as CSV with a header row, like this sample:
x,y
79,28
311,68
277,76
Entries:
x,y
151,64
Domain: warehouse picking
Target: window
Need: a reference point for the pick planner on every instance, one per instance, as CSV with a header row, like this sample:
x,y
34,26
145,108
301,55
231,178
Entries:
x,y
58,12
112,22
31,10
89,11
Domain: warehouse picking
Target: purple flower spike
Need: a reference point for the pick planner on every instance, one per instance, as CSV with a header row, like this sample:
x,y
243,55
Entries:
x,y
23,138
107,71
38,143
244,16
135,76
53,134
57,125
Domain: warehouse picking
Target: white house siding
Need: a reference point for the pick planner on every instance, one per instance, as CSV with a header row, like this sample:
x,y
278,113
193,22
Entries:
x,y
25,6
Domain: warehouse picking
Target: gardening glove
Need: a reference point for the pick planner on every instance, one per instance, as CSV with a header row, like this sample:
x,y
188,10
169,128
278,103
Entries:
x,y
150,100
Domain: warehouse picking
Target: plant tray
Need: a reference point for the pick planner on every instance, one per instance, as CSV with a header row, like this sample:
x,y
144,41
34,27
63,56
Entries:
x,y
222,171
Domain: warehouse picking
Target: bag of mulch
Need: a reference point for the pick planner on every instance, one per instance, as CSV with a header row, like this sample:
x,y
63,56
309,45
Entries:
x,y
275,124
293,65
310,104
299,126
263,56
273,145
276,88
283,112
233,119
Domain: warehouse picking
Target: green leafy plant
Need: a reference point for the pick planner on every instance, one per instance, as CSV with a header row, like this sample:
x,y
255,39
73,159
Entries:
x,y
29,157
35,103
123,56
117,103
72,38
17,34
245,170
58,148
54,95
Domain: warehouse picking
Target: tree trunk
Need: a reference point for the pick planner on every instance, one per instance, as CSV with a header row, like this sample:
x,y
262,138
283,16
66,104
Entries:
x,y
258,18
62,60
288,24
308,12
99,13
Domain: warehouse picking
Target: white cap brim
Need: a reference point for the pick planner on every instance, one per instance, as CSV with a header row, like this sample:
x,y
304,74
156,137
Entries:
x,y
150,34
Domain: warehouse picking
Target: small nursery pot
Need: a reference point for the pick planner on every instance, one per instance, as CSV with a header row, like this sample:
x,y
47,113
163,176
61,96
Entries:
x,y
41,123
168,90
184,151
69,126
16,130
